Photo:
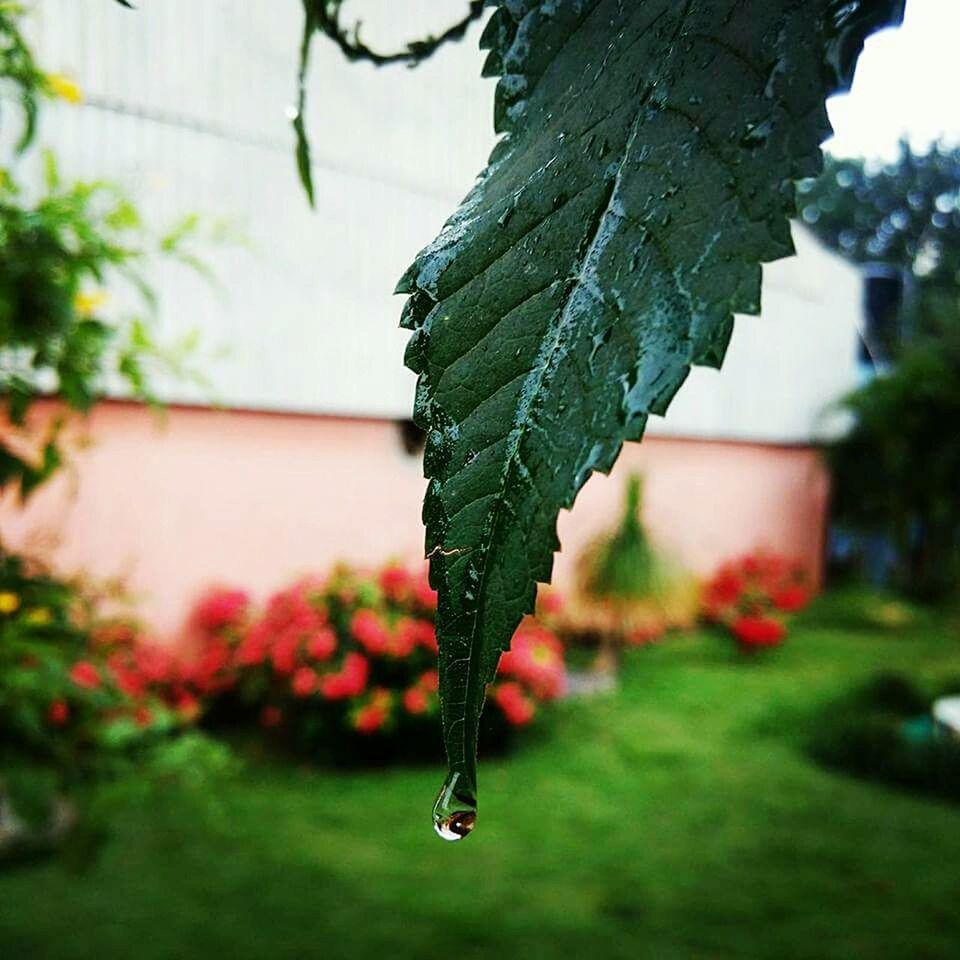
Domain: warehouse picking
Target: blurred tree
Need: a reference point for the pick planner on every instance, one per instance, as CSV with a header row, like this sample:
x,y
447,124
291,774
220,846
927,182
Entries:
x,y
897,473
905,215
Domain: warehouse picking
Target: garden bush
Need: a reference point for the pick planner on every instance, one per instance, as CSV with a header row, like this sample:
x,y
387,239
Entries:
x,y
67,727
884,731
342,668
752,597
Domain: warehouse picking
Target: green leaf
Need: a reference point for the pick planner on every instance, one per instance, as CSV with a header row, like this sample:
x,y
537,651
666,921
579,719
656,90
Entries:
x,y
304,162
645,173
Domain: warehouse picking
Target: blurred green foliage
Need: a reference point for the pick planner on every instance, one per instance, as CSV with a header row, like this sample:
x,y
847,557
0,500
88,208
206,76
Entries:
x,y
76,310
67,731
904,214
883,731
897,471
624,566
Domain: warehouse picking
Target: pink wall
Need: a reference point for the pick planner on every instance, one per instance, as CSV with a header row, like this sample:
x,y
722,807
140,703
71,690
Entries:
x,y
175,502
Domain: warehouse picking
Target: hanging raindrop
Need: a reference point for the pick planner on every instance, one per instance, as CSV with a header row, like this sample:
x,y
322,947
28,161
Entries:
x,y
455,812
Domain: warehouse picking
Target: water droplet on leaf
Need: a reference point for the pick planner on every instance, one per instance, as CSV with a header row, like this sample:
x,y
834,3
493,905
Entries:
x,y
455,812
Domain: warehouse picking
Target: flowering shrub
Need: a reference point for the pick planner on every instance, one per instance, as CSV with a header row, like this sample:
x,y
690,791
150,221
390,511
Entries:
x,y
344,667
67,722
752,596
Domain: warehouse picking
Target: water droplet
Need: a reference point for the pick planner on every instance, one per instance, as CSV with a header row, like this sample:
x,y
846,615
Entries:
x,y
455,812
842,13
756,134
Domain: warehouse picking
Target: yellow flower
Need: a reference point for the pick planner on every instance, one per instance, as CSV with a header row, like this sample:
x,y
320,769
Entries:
x,y
87,304
39,617
64,88
892,614
8,602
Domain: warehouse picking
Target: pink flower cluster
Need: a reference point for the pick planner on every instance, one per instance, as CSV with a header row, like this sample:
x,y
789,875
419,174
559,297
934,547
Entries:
x,y
352,652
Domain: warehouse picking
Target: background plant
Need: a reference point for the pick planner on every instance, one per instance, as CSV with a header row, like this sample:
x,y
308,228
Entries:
x,y
340,668
903,214
883,731
753,595
897,472
77,313
70,735
628,592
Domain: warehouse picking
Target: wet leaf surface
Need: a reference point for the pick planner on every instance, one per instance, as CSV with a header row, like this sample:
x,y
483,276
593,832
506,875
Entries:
x,y
645,172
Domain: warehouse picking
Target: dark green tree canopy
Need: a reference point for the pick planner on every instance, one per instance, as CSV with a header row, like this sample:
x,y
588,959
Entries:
x,y
905,213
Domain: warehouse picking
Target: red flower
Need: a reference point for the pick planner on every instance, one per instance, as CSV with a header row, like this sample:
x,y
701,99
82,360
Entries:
x,y
415,701
370,718
791,599
369,631
271,717
142,716
221,608
758,631
430,681
207,673
323,644
304,682
422,633
536,658
125,676
753,585
408,634
58,713
723,591
255,645
516,706
349,681
395,583
550,602
293,611
84,674
154,663
187,706
284,653
424,595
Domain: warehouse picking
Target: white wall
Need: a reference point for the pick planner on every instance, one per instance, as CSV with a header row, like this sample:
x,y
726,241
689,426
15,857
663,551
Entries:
x,y
784,368
185,104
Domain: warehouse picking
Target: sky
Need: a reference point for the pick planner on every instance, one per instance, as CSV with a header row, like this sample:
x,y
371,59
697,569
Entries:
x,y
908,81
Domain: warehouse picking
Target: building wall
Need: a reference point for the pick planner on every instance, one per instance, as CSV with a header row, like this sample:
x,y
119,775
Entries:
x,y
173,503
185,107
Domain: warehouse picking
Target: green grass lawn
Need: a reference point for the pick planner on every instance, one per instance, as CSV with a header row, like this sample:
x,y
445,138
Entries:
x,y
677,818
